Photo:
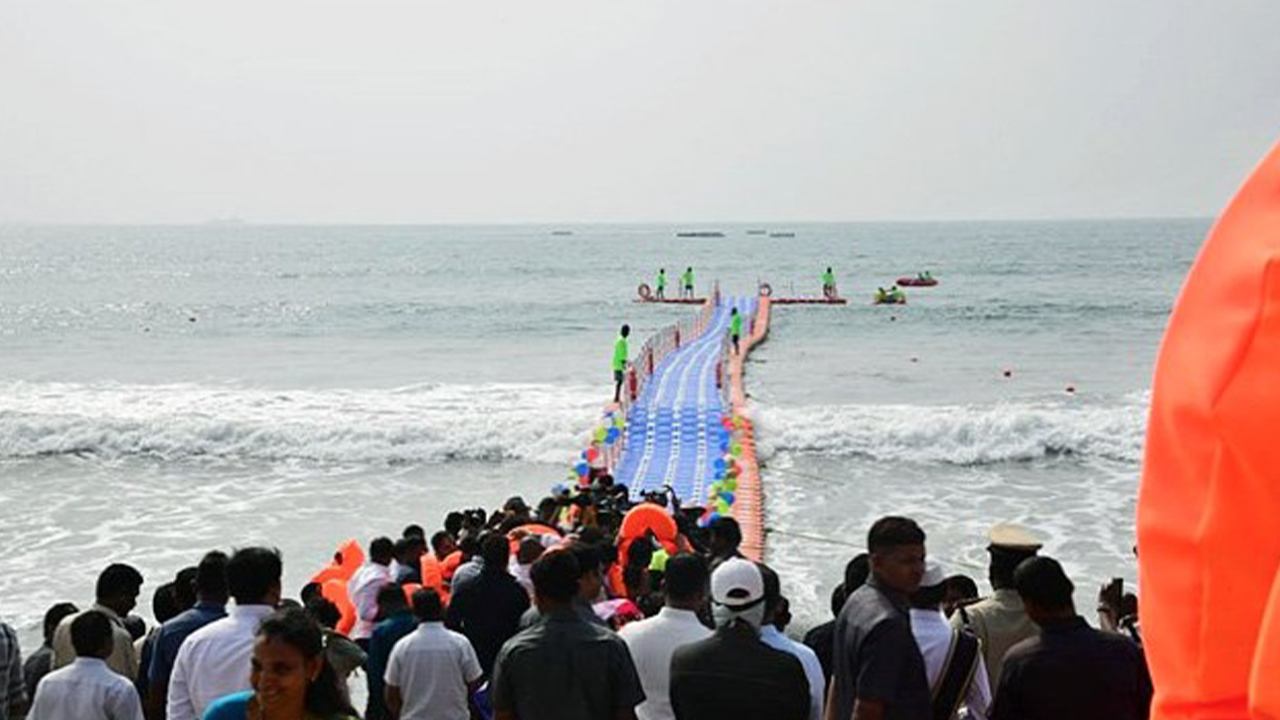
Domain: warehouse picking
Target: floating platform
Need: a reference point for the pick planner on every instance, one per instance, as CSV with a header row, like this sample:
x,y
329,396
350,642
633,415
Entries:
x,y
808,301
670,301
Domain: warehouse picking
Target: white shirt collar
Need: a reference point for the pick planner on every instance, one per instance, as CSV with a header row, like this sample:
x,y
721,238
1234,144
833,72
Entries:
x,y
111,614
250,611
679,614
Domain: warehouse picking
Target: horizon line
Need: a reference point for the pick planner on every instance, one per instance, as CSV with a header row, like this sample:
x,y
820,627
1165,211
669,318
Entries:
x,y
240,222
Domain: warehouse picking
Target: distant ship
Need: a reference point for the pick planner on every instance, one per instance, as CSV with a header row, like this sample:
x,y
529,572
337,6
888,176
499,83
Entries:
x,y
757,232
782,234
701,234
561,232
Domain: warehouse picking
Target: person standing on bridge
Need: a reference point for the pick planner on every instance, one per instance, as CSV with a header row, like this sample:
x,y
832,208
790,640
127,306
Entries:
x,y
828,284
735,329
662,284
620,352
686,280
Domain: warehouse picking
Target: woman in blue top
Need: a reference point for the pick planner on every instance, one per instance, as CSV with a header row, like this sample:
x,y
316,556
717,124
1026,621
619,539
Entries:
x,y
290,677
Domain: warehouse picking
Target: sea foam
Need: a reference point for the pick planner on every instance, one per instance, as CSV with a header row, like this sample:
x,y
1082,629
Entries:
x,y
422,423
960,434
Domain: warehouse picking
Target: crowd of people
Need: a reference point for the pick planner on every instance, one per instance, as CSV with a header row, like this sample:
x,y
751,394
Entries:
x,y
562,624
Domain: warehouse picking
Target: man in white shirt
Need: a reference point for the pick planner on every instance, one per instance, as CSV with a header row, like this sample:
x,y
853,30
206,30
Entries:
x,y
214,660
87,689
652,642
947,669
771,635
432,671
364,586
115,595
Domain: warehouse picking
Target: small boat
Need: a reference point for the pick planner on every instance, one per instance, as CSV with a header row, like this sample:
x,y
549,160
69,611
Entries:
x,y
917,281
757,232
700,234
561,232
782,234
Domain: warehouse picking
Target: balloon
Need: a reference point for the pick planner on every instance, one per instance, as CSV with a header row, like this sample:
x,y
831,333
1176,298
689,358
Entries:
x,y
600,434
592,454
713,516
719,475
731,485
727,497
719,464
582,468
612,434
620,422
735,450
722,507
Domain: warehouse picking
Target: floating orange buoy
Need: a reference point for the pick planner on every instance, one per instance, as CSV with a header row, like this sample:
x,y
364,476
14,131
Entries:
x,y
1210,495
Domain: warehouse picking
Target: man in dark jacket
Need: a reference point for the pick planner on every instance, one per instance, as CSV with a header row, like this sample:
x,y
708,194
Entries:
x,y
487,609
1070,670
732,674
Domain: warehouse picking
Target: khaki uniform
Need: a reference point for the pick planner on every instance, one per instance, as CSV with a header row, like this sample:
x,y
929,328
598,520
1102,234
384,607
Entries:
x,y
999,622
123,659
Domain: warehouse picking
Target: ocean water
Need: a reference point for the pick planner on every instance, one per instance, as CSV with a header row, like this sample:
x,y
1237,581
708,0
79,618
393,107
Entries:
x,y
166,390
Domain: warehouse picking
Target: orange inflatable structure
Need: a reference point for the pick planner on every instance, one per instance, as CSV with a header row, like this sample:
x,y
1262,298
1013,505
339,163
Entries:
x,y
333,581
346,561
1209,507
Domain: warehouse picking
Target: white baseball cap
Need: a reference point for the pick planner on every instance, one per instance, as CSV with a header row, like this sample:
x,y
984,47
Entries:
x,y
934,574
737,583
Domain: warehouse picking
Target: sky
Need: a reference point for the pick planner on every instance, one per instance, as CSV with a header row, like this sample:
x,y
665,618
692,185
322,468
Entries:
x,y
136,111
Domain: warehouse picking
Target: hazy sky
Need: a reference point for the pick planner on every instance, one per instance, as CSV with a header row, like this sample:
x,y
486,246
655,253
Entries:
x,y
630,110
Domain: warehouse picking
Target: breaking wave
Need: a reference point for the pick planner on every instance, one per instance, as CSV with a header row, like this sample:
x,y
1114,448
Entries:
x,y
421,423
960,435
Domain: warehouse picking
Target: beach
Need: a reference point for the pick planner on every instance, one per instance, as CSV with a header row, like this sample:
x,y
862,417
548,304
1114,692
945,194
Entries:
x,y
169,389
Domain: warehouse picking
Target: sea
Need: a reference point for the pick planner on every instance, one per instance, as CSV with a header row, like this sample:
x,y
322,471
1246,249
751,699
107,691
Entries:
x,y
166,390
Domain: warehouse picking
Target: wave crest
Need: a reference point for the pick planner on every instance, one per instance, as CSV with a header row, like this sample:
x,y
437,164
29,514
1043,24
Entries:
x,y
960,435
423,423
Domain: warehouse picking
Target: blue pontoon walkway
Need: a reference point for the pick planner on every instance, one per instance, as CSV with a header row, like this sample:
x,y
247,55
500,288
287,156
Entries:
x,y
674,427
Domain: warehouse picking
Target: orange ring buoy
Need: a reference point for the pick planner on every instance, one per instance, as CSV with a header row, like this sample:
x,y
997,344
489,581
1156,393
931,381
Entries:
x,y
766,290
646,293
645,517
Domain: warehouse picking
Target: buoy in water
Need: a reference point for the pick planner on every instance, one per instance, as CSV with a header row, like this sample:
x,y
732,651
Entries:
x,y
1071,388
1008,373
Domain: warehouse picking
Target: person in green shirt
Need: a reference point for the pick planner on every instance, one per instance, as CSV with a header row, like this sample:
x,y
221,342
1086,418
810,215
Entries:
x,y
735,329
828,284
620,352
662,284
687,281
